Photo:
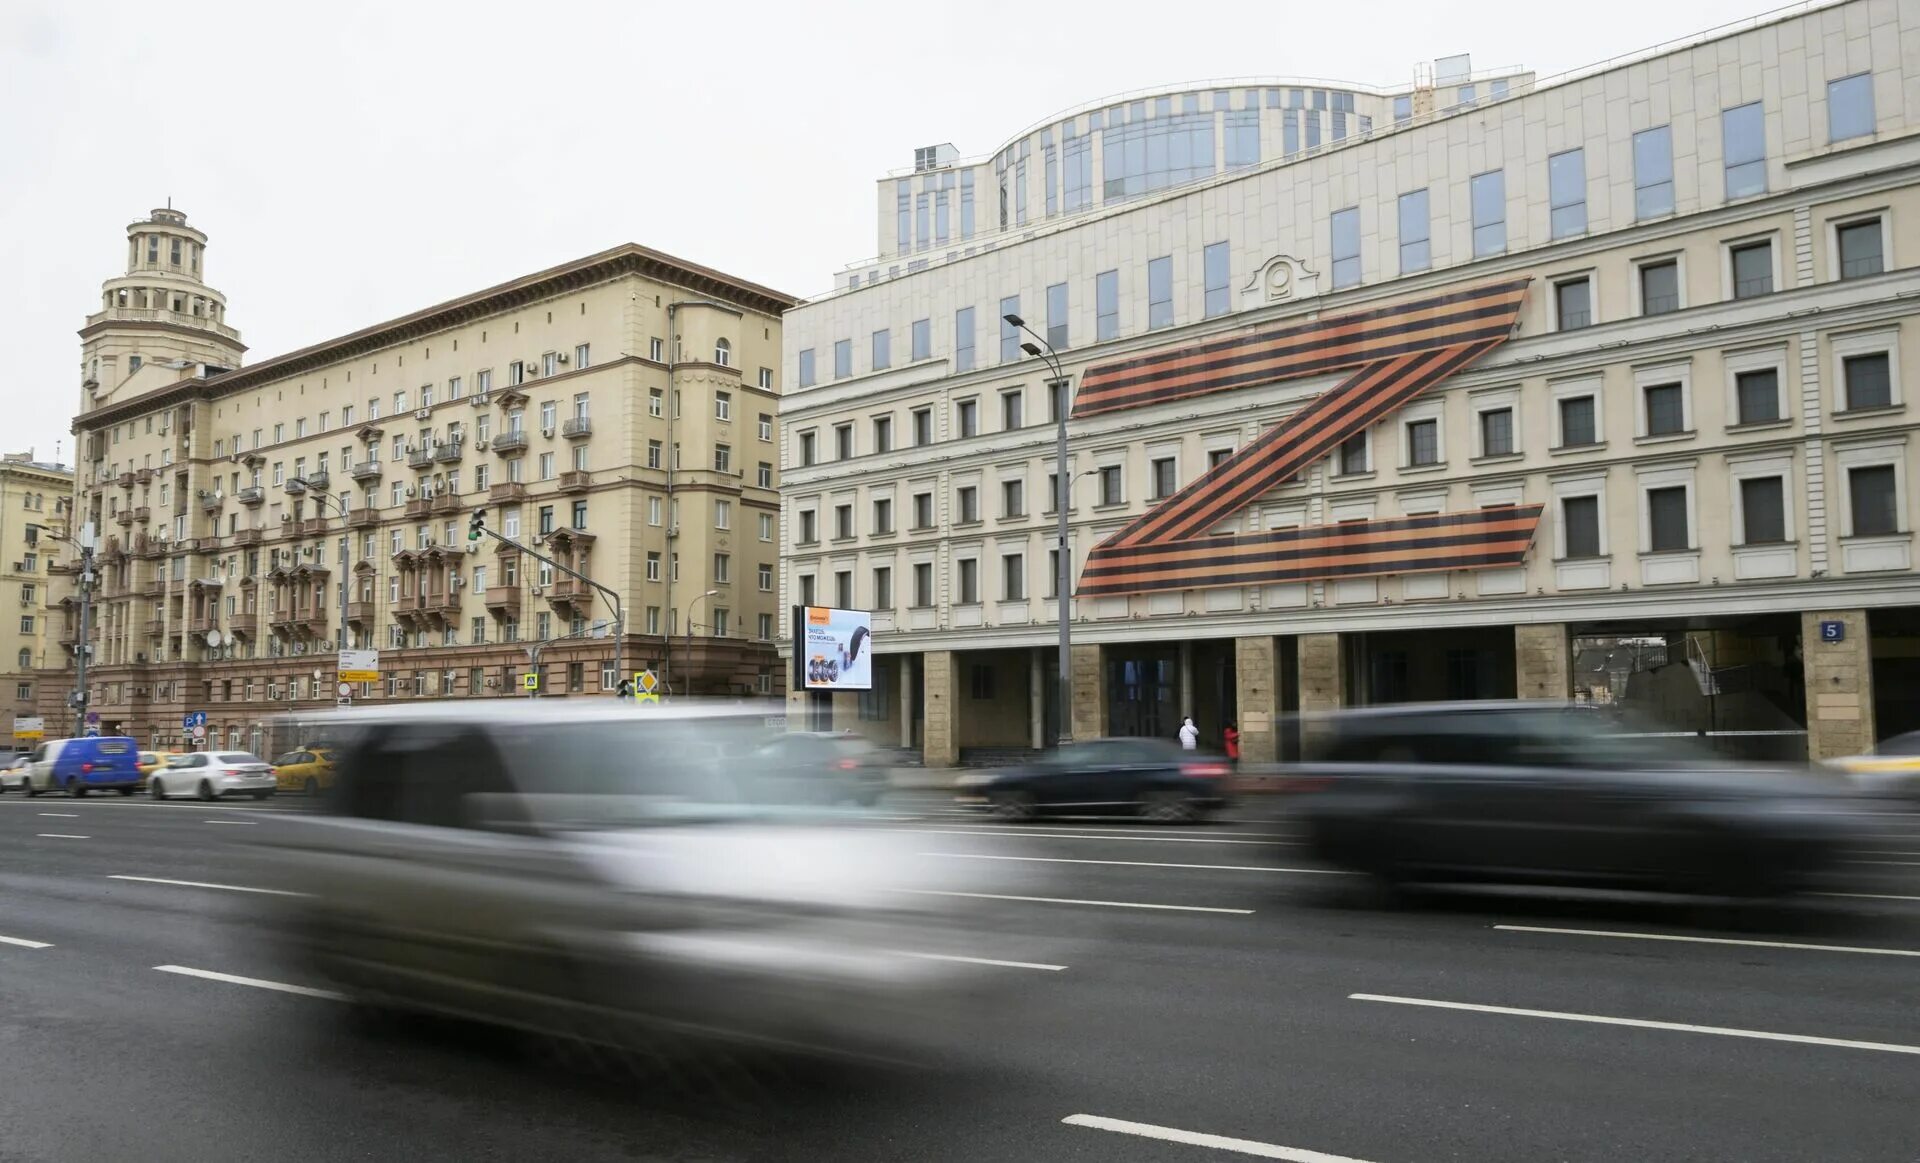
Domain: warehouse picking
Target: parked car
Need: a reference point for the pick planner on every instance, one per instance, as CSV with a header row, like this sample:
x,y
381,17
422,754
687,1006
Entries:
x,y
78,766
212,775
308,770
589,872
150,762
824,767
1551,793
1891,769
13,776
1155,778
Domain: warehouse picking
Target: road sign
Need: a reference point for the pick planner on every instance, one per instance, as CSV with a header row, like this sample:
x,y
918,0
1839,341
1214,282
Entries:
x,y
646,687
93,716
359,666
189,721
530,681
1833,631
29,727
199,730
92,732
344,689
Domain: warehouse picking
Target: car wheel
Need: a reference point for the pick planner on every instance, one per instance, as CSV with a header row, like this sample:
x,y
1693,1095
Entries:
x,y
206,789
1166,806
29,788
76,789
261,795
155,790
311,787
1012,805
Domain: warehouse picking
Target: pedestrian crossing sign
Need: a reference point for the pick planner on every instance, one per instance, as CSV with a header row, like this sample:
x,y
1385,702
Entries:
x,y
530,680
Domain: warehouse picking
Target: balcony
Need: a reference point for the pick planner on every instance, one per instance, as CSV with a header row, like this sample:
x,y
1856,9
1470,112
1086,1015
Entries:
x,y
211,502
241,537
360,613
364,519
504,598
201,623
579,426
317,626
143,514
575,481
446,503
366,470
570,591
313,526
158,315
126,480
142,476
420,507
153,587
450,452
420,457
507,491
156,627
295,487
124,518
510,442
251,495
318,481
244,624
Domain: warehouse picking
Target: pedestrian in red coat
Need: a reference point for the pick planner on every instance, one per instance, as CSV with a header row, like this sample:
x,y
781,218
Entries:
x,y
1233,743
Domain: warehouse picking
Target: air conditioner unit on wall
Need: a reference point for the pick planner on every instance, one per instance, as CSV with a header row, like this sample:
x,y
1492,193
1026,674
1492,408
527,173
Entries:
x,y
423,414
547,432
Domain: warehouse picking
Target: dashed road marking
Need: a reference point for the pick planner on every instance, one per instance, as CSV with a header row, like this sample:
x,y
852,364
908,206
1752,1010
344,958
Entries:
x,y
1709,940
255,982
1197,1139
207,884
1054,900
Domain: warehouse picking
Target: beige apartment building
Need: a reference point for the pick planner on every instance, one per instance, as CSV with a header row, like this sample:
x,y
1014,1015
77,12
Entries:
x,y
615,414
34,500
1588,386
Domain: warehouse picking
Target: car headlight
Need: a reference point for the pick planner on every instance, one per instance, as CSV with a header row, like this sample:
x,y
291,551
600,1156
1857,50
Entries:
x,y
975,780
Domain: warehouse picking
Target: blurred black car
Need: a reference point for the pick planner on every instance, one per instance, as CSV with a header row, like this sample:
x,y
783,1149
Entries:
x,y
822,767
1152,777
1549,793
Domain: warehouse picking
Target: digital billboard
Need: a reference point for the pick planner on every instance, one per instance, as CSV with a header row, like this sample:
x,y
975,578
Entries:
x,y
832,649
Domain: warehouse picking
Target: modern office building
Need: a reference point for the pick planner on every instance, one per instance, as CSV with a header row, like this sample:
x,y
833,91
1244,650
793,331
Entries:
x,y
35,567
1465,391
615,414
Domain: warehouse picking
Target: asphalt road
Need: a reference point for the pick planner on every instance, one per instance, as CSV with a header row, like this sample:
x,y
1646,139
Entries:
x,y
1264,1007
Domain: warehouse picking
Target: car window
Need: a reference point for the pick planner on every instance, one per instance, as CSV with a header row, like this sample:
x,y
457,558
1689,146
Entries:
x,y
236,757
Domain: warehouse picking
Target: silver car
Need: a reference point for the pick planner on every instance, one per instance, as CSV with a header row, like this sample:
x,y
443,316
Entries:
x,y
213,775
13,775
599,873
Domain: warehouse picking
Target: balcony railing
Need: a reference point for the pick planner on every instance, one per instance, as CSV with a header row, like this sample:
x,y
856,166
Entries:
x,y
251,495
143,514
125,480
313,526
361,612
366,470
295,488
420,457
577,427
156,315
318,481
241,537
201,623
510,442
364,519
124,518
507,491
575,481
248,624
446,503
212,502
503,598
420,507
450,451
156,627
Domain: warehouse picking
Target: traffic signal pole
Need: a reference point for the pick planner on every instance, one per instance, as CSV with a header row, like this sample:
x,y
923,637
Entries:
x,y
477,528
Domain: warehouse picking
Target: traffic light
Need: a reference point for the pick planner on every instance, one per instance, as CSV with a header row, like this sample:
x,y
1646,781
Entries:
x,y
477,526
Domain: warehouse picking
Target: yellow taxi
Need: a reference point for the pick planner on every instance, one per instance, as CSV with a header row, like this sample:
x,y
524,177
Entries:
x,y
308,769
150,762
1891,769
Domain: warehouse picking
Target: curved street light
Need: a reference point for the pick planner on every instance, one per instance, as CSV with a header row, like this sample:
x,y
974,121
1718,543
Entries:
x,y
1063,497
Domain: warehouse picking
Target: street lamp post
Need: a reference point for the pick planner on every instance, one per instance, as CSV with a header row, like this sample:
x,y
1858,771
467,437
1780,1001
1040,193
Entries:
x,y
690,605
346,579
1063,496
79,698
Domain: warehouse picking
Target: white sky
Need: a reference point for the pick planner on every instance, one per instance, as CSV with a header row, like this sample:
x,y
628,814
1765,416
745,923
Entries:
x,y
353,161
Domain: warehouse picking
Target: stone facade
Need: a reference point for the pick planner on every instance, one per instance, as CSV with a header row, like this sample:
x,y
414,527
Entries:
x,y
1840,718
1257,671
1542,662
942,737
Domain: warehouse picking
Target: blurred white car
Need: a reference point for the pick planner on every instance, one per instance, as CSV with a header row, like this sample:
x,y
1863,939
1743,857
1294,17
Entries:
x,y
13,775
1891,769
212,775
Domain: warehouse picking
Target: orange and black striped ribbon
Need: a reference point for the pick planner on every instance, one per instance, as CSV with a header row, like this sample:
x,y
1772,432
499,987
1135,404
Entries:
x,y
1394,353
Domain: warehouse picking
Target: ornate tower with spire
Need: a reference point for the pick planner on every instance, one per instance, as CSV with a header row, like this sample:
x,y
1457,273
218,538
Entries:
x,y
160,321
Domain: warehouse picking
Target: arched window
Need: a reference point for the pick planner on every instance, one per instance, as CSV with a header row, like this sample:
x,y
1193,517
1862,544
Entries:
x,y
26,658
723,353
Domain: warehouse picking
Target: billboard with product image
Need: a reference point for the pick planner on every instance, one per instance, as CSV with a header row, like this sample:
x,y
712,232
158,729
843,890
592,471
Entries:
x,y
832,649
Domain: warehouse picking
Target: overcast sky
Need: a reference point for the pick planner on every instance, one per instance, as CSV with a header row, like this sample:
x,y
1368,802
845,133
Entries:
x,y
353,161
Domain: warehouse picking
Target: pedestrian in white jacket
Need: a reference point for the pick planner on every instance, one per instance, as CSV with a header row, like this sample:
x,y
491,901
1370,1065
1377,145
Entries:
x,y
1189,735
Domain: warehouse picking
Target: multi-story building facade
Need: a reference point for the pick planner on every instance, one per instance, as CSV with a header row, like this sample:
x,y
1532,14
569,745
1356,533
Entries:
x,y
35,567
1592,387
615,414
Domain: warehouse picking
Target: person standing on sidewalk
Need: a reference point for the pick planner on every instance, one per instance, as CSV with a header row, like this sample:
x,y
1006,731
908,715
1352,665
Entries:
x,y
1232,737
1189,735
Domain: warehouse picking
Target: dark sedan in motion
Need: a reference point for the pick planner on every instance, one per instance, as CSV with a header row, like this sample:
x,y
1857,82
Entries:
x,y
1547,793
1154,778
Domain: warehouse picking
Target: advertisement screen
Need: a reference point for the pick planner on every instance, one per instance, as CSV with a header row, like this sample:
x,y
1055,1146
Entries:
x,y
833,649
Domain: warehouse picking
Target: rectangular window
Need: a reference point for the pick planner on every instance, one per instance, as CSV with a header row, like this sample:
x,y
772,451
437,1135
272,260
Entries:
x,y
1013,577
1344,231
923,510
805,372
766,526
882,349
722,567
1580,521
1860,249
1013,498
1489,196
1660,287
922,426
842,358
1567,193
1057,316
1868,381
1850,107
1353,455
1875,505
1666,409
883,515
1160,292
1743,149
653,566
1106,305
1012,415
923,584
766,426
723,405
1423,442
1402,109
655,403
1009,334
1496,432
809,450
966,416
963,339
882,434
1763,510
546,466
1164,471
654,450
1217,268
1667,519
966,505
967,574
1112,485
1416,252
1653,172
1573,303
842,522
1757,395
1752,264
883,588
922,339
809,527
722,514
764,577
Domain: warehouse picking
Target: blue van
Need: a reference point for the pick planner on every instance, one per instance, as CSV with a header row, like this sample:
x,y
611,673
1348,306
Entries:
x,y
78,766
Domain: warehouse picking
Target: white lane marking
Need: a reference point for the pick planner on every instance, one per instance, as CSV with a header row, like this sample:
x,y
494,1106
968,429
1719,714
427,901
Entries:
x,y
144,804
1072,836
1143,863
1055,900
1709,940
1199,832
61,836
255,982
1642,1023
1216,1142
1893,863
24,943
982,961
246,823
207,884
1869,896
62,815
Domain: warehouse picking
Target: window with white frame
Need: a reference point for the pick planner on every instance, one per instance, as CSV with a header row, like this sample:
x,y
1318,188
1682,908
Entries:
x,y
1657,285
1665,404
1353,458
1754,381
1582,531
966,572
1666,511
1874,491
1496,423
1750,268
1859,246
1866,371
1422,443
1573,302
1760,514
